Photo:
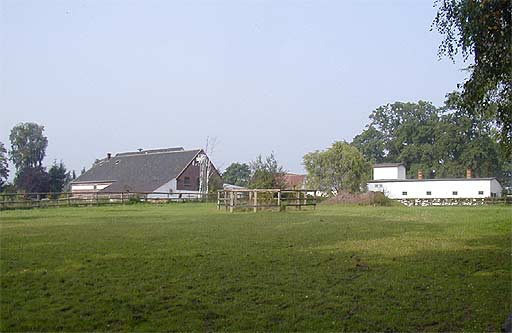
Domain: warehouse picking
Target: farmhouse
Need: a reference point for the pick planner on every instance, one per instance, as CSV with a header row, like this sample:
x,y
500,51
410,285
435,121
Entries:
x,y
157,171
390,178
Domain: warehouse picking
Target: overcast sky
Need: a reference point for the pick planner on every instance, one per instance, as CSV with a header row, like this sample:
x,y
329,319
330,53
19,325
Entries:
x,y
260,76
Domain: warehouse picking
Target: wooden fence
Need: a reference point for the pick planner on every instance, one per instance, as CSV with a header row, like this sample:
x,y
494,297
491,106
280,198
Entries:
x,y
261,199
70,199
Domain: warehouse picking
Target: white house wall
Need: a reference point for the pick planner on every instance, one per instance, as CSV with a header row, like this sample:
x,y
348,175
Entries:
x,y
89,187
397,172
401,172
438,188
496,188
170,187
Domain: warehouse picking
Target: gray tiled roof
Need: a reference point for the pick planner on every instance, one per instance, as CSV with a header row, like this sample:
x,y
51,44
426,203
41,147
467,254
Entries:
x,y
139,172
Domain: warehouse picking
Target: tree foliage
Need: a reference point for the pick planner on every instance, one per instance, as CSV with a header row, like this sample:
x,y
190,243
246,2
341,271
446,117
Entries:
x,y
32,180
4,166
266,173
237,174
339,168
58,177
443,142
482,29
28,145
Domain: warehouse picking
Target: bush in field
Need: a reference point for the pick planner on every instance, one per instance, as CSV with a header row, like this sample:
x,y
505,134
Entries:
x,y
339,168
266,173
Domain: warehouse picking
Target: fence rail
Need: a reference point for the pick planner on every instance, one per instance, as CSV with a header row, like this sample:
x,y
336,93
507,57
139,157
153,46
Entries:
x,y
74,199
270,199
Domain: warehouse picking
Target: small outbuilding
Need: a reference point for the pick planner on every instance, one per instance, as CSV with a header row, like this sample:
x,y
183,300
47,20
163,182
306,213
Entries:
x,y
390,178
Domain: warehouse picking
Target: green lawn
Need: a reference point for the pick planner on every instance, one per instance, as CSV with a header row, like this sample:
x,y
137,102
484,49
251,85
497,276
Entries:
x,y
189,267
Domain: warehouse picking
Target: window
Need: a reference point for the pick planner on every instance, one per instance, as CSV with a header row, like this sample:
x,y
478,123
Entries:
x,y
186,181
480,192
493,195
429,192
404,193
455,193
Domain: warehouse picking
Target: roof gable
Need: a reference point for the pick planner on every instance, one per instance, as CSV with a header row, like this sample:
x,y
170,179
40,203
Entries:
x,y
139,172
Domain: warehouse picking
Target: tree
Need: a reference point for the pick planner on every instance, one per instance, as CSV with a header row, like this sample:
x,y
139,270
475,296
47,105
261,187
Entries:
x,y
237,174
4,166
482,29
266,173
339,168
400,132
32,180
28,145
58,177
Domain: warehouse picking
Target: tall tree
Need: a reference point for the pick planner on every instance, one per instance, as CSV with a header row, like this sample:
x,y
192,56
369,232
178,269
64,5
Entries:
x,y
32,180
339,168
28,145
58,177
266,173
400,132
237,174
482,29
4,166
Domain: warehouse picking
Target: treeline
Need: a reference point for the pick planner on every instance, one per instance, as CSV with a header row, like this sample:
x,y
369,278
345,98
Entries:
x,y
28,149
443,142
263,172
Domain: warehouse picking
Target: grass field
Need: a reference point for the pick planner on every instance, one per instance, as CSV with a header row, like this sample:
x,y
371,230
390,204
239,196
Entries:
x,y
189,267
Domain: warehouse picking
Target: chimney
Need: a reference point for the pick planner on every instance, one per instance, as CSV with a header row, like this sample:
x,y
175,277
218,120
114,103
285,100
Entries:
x,y
420,174
469,173
109,155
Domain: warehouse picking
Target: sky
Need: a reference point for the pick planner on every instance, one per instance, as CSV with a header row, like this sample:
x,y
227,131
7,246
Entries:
x,y
287,77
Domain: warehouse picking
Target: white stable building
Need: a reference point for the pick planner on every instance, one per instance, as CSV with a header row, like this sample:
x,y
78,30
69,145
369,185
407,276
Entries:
x,y
390,179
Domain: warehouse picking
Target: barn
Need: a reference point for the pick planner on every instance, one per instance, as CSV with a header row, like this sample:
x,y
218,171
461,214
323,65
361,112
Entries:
x,y
158,172
390,179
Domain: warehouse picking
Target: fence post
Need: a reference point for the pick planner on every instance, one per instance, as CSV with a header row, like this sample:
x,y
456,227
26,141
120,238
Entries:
x,y
218,200
255,196
231,201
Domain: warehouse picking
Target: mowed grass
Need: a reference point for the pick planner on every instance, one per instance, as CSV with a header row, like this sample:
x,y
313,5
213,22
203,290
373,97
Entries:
x,y
189,267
